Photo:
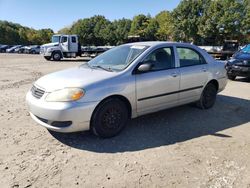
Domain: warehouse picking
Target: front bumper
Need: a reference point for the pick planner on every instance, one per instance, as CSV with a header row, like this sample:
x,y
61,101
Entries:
x,y
238,71
48,114
44,52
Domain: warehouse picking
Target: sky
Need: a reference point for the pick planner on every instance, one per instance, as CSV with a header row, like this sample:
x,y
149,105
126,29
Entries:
x,y
56,14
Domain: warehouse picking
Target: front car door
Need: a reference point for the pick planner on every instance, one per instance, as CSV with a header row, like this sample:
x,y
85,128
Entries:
x,y
193,74
64,43
158,88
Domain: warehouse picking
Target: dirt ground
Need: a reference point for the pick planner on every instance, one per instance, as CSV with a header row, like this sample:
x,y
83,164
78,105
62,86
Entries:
x,y
179,147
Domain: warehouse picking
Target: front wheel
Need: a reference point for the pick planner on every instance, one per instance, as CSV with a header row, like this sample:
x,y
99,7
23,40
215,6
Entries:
x,y
208,96
109,118
56,56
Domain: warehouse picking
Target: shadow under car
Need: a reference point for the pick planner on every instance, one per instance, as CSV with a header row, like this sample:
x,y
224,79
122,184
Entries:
x,y
166,127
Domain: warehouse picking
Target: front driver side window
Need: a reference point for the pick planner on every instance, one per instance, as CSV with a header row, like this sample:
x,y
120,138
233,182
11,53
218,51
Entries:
x,y
161,59
64,39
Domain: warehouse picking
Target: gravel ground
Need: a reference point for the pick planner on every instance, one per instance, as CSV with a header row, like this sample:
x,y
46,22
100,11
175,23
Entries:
x,y
179,147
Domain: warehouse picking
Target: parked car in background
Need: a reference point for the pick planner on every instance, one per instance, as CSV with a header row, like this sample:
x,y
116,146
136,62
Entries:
x,y
21,49
3,48
34,49
239,64
125,82
12,49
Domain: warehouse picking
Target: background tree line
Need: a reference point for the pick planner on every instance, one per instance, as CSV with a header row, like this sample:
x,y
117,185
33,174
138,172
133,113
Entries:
x,y
11,33
203,22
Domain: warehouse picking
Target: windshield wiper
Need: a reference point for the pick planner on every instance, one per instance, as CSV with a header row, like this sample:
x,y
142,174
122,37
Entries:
x,y
101,67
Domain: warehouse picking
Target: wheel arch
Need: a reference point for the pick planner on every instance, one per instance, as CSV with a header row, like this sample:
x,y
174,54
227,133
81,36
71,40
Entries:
x,y
120,97
57,51
215,82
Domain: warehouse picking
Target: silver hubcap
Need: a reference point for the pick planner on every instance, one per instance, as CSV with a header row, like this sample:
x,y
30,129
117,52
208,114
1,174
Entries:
x,y
56,56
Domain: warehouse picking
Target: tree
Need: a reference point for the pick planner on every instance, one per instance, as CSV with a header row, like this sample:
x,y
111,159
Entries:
x,y
246,21
151,30
65,30
45,35
139,25
11,33
166,26
222,20
204,22
121,30
187,17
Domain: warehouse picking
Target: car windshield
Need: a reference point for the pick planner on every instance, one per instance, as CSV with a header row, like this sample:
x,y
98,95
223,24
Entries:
x,y
246,49
117,58
55,39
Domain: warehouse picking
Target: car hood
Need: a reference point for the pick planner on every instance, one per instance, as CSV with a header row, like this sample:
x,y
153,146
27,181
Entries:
x,y
50,44
73,77
242,56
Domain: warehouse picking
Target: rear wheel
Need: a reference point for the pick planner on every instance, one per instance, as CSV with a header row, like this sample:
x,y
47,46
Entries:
x,y
56,56
109,118
208,96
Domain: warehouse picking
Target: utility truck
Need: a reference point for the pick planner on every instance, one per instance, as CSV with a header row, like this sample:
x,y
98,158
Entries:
x,y
62,46
223,52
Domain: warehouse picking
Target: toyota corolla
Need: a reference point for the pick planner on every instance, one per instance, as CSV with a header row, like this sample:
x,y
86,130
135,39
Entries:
x,y
125,82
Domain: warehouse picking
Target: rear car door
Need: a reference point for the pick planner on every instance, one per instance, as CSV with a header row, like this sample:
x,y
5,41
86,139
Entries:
x,y
193,74
73,44
158,88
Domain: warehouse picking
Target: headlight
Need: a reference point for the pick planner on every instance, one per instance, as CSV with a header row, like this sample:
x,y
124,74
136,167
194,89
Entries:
x,y
64,95
49,49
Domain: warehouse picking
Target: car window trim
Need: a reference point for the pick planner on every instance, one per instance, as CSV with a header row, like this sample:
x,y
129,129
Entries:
x,y
200,55
141,62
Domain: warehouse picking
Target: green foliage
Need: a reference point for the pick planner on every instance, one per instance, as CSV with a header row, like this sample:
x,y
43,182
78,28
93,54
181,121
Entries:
x,y
166,26
187,17
203,22
139,25
11,33
121,30
246,20
211,21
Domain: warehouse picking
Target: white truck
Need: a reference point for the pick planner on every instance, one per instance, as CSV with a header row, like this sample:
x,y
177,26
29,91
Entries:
x,y
62,46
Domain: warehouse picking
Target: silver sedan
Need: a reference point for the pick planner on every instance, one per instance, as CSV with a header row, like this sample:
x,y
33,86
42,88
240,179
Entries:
x,y
125,82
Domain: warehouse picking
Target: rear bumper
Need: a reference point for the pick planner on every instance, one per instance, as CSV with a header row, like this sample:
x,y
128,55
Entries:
x,y
50,114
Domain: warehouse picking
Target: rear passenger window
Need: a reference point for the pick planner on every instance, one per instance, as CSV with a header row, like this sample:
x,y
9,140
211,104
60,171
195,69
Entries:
x,y
73,39
189,57
161,59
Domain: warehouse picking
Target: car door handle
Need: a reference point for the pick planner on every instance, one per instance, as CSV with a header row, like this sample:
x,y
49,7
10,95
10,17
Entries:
x,y
204,69
174,74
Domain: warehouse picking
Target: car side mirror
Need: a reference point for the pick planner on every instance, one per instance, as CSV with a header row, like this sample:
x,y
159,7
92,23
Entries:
x,y
145,67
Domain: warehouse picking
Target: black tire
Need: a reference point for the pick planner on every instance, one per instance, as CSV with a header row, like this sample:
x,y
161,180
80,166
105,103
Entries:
x,y
47,57
56,56
109,118
208,97
231,77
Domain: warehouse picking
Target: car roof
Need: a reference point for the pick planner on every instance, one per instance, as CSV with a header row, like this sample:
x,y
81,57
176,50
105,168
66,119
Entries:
x,y
155,43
